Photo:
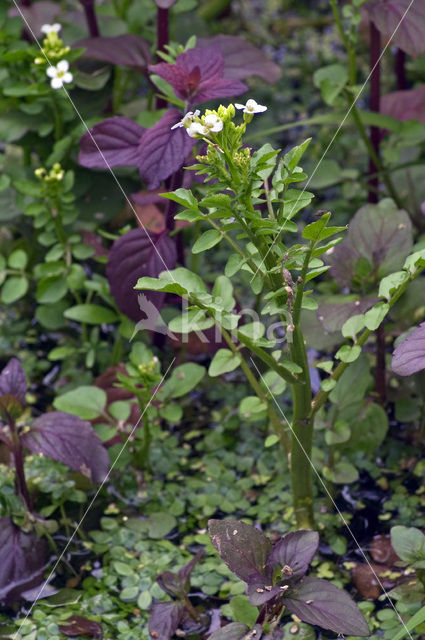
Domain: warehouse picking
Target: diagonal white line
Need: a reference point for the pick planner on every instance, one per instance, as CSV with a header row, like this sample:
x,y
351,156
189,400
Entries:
x,y
353,104
345,523
93,140
93,500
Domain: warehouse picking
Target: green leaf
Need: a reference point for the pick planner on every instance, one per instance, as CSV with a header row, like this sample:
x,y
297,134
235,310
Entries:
x,y
391,283
331,80
353,326
252,409
51,289
342,473
348,354
182,196
312,231
207,240
224,361
14,288
85,402
271,440
183,379
340,432
414,261
18,259
192,320
180,281
411,624
292,158
375,316
408,543
171,412
129,594
233,264
253,330
160,524
122,568
51,316
91,314
243,610
223,290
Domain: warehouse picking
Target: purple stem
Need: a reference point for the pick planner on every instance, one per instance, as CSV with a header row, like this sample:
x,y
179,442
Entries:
x,y
375,100
20,482
400,69
373,193
91,18
162,39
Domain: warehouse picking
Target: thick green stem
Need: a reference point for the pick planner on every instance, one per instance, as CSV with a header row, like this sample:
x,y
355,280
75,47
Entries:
x,y
302,438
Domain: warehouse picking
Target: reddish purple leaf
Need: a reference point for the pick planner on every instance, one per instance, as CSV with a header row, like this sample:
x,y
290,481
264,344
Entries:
x,y
185,572
400,20
409,356
260,590
242,59
379,239
242,547
293,554
162,152
111,143
333,314
197,76
23,559
13,381
70,440
78,626
138,253
318,601
405,105
165,619
39,13
127,50
232,631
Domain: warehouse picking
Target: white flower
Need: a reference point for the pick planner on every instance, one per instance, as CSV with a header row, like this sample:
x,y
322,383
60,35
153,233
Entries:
x,y
59,74
251,107
213,123
186,118
51,28
196,129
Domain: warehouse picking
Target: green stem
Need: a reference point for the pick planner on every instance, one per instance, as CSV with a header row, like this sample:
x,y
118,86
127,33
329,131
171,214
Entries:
x,y
57,119
302,438
348,46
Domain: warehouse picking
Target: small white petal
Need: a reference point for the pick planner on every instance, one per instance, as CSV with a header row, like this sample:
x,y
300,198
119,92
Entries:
x,y
196,129
49,28
239,106
213,123
52,72
67,77
56,27
63,65
56,83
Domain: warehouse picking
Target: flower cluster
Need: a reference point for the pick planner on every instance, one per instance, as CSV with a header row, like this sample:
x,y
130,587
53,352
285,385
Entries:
x,y
53,55
198,126
55,174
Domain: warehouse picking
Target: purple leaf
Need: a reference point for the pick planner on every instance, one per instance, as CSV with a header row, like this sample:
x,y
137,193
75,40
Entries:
x,y
232,631
185,572
337,311
409,356
13,381
317,601
197,76
161,151
242,547
404,24
78,626
261,591
126,50
171,584
242,59
111,143
405,105
293,554
380,237
70,440
165,4
138,253
23,559
165,619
